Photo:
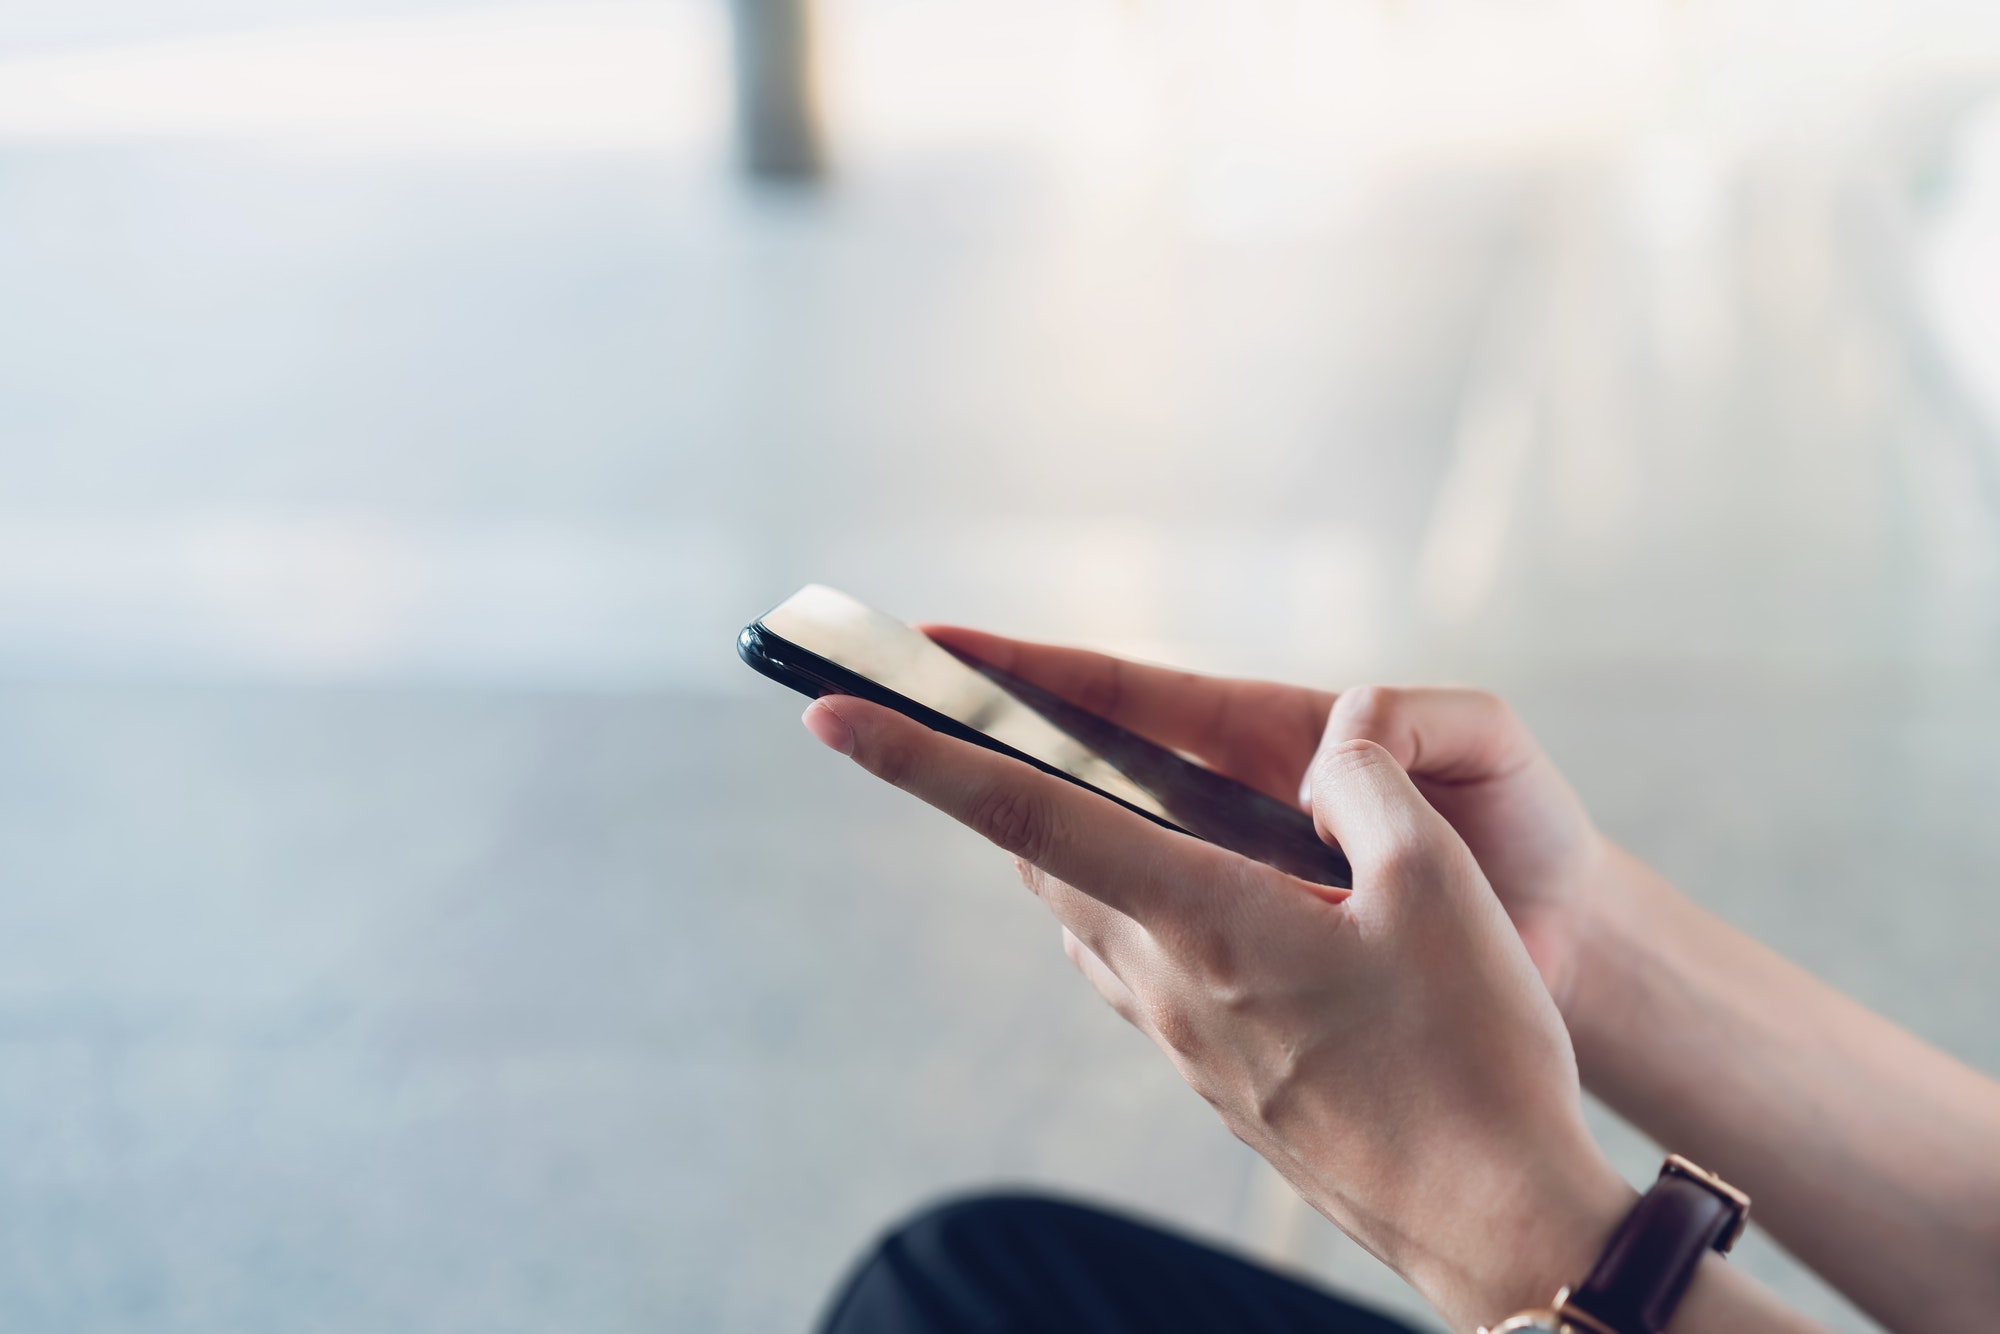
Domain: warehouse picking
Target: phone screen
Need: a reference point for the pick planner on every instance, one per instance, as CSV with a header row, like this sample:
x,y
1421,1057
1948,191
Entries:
x,y
821,641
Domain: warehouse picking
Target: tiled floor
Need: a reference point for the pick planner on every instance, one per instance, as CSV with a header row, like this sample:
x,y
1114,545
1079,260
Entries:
x,y
411,917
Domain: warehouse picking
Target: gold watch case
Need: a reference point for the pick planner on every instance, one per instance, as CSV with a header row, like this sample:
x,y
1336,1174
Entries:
x,y
1558,1317
1539,1320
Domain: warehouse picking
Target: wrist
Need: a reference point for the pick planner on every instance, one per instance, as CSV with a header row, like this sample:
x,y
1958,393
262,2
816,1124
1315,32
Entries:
x,y
1662,1269
1512,1244
1610,932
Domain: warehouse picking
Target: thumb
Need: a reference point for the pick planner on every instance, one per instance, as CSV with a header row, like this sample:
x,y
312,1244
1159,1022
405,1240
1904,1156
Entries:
x,y
1364,802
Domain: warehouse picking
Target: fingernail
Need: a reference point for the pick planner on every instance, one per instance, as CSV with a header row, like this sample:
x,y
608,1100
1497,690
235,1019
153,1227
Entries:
x,y
831,729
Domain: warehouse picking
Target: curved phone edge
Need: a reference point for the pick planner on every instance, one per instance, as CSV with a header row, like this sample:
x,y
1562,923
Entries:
x,y
815,676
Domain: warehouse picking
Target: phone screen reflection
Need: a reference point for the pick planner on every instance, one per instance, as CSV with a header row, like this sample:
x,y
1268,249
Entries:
x,y
1059,734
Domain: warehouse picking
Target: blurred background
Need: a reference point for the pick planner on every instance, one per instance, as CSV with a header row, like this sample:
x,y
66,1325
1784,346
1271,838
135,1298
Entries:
x,y
413,917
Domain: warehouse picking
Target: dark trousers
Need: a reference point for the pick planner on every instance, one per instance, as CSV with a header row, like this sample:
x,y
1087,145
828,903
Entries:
x,y
1020,1264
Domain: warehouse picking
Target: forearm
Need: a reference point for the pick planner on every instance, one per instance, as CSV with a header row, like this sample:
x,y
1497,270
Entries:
x,y
1724,1300
1873,1157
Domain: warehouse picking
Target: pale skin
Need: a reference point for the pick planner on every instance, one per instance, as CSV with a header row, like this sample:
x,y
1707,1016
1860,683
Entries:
x,y
1409,1055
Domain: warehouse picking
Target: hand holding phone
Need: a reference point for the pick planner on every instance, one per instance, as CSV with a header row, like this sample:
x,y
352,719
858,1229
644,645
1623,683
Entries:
x,y
819,641
1388,1049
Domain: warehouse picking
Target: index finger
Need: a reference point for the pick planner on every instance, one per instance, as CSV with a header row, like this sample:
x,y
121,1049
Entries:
x,y
1079,837
1258,732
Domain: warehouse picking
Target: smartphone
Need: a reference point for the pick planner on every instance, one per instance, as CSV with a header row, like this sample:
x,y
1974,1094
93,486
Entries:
x,y
822,642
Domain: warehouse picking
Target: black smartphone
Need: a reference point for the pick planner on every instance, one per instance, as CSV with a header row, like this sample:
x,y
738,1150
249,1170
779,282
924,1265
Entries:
x,y
822,642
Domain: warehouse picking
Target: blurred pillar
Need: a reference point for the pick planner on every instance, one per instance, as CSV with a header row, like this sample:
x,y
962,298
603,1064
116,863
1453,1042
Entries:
x,y
777,94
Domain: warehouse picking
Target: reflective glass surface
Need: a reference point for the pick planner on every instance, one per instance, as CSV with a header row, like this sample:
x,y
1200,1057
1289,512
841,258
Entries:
x,y
878,646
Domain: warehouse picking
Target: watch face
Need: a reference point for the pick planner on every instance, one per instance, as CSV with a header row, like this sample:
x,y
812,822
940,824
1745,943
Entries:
x,y
1529,1320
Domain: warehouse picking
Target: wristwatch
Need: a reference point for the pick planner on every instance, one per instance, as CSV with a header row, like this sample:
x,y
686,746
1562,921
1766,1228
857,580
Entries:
x,y
1644,1270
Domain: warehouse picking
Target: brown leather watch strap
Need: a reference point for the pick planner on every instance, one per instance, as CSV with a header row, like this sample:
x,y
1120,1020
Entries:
x,y
1647,1265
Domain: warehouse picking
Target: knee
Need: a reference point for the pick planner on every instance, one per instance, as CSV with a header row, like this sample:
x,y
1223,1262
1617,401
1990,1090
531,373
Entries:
x,y
935,1270
972,1223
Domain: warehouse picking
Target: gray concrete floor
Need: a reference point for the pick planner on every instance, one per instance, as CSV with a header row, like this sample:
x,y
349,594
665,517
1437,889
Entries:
x,y
412,918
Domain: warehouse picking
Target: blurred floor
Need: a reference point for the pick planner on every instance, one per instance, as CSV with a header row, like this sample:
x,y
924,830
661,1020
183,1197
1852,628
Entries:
x,y
417,919
331,1009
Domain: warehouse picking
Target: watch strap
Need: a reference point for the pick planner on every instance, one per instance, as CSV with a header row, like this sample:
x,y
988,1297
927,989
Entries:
x,y
1646,1267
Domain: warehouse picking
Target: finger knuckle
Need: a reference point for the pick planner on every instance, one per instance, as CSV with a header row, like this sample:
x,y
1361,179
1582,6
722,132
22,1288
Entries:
x,y
1014,821
1355,756
1172,1027
1368,710
1492,715
1211,960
